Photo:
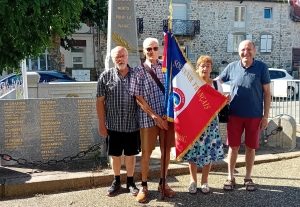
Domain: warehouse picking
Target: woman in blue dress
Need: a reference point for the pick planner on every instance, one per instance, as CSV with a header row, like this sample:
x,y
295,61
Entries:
x,y
209,146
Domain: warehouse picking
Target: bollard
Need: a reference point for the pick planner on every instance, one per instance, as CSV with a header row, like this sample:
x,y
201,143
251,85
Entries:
x,y
285,139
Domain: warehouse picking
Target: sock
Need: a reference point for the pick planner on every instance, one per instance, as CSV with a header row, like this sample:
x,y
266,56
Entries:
x,y
129,179
117,178
144,183
160,181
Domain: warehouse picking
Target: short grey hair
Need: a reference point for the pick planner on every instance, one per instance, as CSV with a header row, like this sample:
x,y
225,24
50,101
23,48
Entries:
x,y
116,49
148,40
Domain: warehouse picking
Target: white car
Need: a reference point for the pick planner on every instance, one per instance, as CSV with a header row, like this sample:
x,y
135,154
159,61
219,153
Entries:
x,y
281,79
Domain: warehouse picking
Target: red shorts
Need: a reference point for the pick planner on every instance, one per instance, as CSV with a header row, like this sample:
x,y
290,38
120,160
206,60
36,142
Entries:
x,y
235,128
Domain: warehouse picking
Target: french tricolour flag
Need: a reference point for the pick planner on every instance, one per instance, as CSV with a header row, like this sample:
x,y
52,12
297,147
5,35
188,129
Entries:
x,y
190,103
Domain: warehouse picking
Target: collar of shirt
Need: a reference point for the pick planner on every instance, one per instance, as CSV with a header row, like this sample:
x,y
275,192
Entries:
x,y
253,64
150,64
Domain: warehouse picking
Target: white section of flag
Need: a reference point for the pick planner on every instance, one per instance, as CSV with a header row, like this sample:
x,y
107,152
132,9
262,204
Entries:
x,y
182,82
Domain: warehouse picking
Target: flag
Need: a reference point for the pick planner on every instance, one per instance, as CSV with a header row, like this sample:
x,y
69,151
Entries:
x,y
189,102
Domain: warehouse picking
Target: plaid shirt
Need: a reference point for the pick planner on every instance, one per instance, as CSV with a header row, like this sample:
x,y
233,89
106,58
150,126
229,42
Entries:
x,y
120,106
142,84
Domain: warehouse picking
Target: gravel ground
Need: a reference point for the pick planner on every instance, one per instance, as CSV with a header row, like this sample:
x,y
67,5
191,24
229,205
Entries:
x,y
278,185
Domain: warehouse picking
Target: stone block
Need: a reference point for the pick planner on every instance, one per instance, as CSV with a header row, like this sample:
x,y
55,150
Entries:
x,y
285,139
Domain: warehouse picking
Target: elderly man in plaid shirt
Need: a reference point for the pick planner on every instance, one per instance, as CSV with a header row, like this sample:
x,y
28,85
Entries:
x,y
117,114
151,100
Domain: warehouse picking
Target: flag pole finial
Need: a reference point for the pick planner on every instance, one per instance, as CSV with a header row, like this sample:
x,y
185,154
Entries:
x,y
170,18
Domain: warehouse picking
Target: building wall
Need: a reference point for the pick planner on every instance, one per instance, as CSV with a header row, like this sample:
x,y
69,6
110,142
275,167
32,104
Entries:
x,y
88,54
217,21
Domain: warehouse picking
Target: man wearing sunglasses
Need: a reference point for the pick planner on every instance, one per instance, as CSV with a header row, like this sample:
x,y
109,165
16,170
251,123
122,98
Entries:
x,y
117,114
150,97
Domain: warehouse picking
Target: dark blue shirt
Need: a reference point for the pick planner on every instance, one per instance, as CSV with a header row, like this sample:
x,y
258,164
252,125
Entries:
x,y
246,88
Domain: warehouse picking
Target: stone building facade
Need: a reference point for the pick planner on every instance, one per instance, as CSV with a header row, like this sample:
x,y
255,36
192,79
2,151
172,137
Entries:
x,y
223,24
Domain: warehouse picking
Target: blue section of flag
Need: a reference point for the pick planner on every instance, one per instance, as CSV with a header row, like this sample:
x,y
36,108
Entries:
x,y
175,62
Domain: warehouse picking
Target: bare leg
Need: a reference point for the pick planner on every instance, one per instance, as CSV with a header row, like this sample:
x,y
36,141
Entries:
x,y
250,156
116,164
205,172
232,157
130,164
193,172
145,159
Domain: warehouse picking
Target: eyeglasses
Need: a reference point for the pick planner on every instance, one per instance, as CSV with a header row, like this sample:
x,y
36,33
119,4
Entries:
x,y
149,49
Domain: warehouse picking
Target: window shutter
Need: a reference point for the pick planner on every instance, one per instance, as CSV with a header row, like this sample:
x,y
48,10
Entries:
x,y
263,43
249,37
230,43
269,43
179,11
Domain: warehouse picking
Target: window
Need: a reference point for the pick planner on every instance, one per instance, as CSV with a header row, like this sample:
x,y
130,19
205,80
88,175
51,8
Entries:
x,y
239,16
42,62
234,41
276,74
268,13
78,57
78,62
266,43
179,13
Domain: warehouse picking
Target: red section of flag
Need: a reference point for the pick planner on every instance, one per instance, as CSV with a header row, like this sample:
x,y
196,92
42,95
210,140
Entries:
x,y
196,116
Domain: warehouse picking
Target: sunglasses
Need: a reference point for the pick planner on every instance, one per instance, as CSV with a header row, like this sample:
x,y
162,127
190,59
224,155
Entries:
x,y
149,49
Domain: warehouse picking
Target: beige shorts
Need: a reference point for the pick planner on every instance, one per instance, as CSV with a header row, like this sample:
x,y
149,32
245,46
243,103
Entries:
x,y
149,137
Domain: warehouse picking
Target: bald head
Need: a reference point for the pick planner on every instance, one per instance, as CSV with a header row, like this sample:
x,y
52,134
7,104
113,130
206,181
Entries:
x,y
246,42
247,52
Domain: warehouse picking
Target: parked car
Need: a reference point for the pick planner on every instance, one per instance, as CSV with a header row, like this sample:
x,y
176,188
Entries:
x,y
275,74
45,77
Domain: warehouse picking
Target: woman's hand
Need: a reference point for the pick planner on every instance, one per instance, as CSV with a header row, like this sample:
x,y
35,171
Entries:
x,y
228,97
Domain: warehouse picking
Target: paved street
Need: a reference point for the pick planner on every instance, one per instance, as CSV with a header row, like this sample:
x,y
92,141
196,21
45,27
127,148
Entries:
x,y
279,185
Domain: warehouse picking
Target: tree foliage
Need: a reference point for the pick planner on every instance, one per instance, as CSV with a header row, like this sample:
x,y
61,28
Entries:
x,y
93,13
28,25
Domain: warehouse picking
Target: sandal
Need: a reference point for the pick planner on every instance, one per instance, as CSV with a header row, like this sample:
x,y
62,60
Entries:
x,y
229,184
250,186
193,188
204,188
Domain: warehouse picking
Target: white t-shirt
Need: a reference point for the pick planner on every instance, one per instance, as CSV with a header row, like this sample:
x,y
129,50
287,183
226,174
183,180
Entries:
x,y
220,88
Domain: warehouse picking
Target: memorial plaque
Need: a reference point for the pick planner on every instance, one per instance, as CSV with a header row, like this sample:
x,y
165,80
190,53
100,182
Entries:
x,y
122,30
47,129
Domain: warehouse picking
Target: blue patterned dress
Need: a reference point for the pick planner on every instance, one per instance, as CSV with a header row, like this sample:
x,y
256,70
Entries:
x,y
208,147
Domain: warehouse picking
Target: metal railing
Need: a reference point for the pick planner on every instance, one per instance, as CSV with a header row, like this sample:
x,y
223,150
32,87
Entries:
x,y
183,27
285,98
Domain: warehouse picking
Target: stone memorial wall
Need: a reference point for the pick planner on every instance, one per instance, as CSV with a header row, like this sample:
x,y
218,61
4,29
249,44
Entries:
x,y
48,129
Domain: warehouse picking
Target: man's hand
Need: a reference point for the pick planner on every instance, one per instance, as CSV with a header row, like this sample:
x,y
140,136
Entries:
x,y
161,123
102,130
263,124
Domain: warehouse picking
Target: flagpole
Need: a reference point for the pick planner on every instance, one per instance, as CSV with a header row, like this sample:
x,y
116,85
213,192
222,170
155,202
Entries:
x,y
164,131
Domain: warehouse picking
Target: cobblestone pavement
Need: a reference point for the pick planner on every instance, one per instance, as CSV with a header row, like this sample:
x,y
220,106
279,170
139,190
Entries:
x,y
278,185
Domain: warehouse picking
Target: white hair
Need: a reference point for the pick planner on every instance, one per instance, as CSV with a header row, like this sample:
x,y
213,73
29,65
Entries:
x,y
148,40
115,50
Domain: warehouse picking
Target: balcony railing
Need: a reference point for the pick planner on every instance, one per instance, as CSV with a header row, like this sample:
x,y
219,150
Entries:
x,y
295,12
183,27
